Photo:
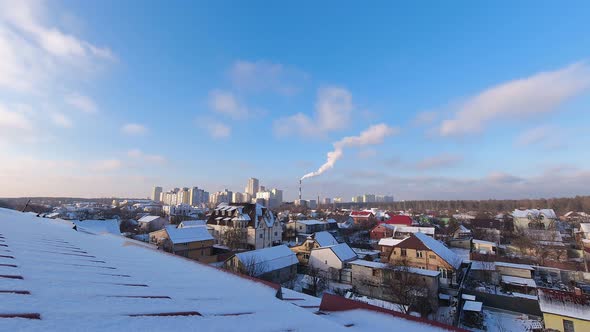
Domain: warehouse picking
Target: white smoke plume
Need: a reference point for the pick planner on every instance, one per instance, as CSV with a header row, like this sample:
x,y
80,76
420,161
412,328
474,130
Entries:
x,y
371,136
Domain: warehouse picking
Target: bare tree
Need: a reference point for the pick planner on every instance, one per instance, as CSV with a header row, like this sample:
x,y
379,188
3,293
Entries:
x,y
252,266
407,289
318,281
233,237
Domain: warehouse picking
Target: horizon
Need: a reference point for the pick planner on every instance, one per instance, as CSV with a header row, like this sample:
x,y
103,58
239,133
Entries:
x,y
469,102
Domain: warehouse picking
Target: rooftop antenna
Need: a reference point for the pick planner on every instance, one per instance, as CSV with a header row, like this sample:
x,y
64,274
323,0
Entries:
x,y
26,205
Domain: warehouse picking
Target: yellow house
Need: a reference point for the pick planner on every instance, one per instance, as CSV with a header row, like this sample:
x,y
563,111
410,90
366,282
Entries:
x,y
565,311
422,251
314,241
191,242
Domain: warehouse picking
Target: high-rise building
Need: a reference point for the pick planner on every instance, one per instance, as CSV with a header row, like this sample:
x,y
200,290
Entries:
x,y
368,198
198,196
327,201
253,187
337,199
225,196
277,195
156,194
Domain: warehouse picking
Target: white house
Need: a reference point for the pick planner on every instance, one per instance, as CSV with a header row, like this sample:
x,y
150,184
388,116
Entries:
x,y
332,257
255,225
522,218
151,223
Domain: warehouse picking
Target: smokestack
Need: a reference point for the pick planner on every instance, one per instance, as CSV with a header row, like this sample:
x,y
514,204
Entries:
x,y
300,190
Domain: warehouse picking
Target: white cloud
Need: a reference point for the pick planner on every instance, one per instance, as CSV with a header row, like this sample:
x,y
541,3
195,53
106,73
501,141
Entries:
x,y
224,102
139,155
106,165
14,120
333,110
134,129
256,76
218,130
61,120
439,161
541,93
534,136
82,103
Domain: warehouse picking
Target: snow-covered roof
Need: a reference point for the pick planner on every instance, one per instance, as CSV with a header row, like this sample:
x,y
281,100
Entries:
x,y
188,234
548,213
82,282
324,239
111,226
147,218
269,259
515,266
483,266
414,229
342,251
192,223
440,249
375,265
389,242
309,222
379,265
519,281
488,243
585,227
472,306
564,303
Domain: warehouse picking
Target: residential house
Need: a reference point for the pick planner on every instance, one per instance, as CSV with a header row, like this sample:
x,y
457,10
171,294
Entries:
x,y
151,223
422,251
386,245
191,242
244,226
565,310
192,223
363,217
400,220
332,260
534,218
405,231
276,264
381,231
314,241
377,280
484,247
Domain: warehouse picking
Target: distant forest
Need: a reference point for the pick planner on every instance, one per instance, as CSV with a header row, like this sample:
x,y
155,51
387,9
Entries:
x,y
560,205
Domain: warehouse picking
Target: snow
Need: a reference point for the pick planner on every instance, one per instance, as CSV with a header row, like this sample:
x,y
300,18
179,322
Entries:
x,y
585,227
519,281
364,320
309,222
148,219
378,265
515,266
389,242
548,213
501,320
271,259
440,249
324,239
188,234
375,265
564,306
74,293
481,266
343,251
489,243
472,306
192,223
414,229
468,297
98,226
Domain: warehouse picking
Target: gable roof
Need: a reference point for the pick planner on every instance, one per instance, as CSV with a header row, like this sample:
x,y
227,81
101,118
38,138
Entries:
x,y
342,251
192,223
324,239
269,259
399,220
421,241
361,214
188,234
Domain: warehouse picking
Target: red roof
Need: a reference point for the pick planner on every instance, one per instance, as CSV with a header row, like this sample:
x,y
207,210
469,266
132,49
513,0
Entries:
x,y
332,302
361,213
399,220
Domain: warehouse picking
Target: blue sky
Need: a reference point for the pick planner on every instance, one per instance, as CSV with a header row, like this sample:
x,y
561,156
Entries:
x,y
108,98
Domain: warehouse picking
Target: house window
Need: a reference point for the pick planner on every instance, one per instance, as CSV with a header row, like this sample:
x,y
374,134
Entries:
x,y
306,256
375,272
261,235
443,273
432,257
419,254
568,326
403,252
276,233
